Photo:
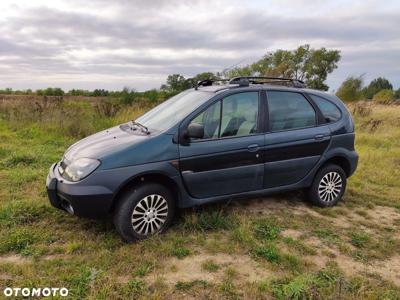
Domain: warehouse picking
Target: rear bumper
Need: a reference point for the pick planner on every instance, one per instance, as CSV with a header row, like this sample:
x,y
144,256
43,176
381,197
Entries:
x,y
76,197
353,159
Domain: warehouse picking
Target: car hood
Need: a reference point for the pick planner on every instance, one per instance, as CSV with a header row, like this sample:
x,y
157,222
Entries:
x,y
105,142
121,147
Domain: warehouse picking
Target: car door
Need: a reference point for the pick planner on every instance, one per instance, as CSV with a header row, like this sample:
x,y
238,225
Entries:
x,y
228,158
294,142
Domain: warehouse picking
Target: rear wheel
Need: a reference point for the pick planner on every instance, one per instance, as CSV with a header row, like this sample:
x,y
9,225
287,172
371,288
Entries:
x,y
143,211
328,186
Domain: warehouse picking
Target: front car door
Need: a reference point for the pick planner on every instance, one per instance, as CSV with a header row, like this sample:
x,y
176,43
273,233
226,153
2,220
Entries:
x,y
228,158
294,142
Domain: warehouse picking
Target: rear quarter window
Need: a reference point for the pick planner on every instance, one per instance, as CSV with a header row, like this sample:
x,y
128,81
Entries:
x,y
329,110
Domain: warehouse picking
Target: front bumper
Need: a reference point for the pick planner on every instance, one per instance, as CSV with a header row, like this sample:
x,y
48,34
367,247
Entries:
x,y
78,198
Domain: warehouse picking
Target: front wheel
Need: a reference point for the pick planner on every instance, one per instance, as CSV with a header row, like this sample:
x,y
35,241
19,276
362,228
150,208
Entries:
x,y
143,211
328,186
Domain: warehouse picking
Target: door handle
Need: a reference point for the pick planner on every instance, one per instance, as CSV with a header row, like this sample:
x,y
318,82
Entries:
x,y
253,147
187,172
319,137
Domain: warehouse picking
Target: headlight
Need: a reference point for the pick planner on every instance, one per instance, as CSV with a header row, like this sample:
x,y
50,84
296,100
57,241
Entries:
x,y
80,168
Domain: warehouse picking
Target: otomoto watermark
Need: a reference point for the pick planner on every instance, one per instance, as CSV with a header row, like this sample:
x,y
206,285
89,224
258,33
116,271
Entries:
x,y
35,292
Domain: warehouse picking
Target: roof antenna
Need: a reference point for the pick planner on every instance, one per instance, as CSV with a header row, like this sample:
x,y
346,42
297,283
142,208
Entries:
x,y
233,66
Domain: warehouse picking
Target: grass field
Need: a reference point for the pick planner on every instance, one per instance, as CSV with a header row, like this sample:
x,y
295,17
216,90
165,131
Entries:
x,y
275,247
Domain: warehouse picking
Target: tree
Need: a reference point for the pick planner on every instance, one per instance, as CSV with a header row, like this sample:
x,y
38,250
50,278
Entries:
x,y
201,76
127,95
303,63
176,83
50,92
384,96
100,93
375,86
350,90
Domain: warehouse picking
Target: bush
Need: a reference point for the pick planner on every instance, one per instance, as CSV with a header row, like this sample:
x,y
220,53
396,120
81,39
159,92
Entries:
x,y
376,86
384,97
350,90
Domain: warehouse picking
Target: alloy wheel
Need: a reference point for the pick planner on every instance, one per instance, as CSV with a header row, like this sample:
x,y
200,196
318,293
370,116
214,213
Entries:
x,y
330,186
149,214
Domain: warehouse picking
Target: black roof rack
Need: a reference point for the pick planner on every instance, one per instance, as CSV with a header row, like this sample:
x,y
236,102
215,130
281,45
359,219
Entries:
x,y
246,80
209,81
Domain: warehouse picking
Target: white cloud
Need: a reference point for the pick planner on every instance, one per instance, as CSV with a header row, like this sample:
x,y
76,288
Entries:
x,y
111,44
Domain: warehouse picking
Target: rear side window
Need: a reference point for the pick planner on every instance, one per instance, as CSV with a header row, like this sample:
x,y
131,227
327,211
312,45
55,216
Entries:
x,y
289,110
330,111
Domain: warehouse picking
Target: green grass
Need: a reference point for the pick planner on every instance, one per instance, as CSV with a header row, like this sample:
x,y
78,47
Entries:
x,y
360,239
41,246
266,229
210,266
270,253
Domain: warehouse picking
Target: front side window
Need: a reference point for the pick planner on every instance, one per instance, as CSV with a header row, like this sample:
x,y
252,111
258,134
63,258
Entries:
x,y
329,110
238,117
173,110
210,120
289,110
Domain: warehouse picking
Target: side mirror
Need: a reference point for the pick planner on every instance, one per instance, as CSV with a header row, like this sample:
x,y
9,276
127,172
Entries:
x,y
195,130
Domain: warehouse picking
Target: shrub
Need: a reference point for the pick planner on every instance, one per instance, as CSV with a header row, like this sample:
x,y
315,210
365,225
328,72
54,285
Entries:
x,y
375,86
384,97
350,90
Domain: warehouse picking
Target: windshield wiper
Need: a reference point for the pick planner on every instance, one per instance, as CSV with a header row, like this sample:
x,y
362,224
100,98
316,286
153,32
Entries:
x,y
144,128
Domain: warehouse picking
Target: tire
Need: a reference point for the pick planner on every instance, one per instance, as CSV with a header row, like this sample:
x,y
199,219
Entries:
x,y
328,186
144,210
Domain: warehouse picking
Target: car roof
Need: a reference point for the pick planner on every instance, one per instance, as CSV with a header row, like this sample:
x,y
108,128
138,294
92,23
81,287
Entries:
x,y
266,86
224,87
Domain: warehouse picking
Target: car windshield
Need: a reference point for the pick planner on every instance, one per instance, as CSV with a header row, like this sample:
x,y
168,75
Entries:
x,y
170,112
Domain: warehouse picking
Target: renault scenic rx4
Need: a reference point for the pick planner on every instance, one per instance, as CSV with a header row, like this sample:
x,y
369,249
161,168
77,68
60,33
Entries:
x,y
245,137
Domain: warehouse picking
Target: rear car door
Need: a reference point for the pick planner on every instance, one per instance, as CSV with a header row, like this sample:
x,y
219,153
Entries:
x,y
227,159
294,141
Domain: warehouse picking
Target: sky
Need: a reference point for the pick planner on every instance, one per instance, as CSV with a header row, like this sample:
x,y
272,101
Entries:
x,y
137,44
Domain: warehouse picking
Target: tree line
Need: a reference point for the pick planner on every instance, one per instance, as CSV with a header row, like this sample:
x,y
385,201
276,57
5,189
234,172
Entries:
x,y
304,63
379,89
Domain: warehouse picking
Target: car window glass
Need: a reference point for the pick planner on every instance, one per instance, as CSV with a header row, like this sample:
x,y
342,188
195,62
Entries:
x,y
239,114
173,110
330,111
289,110
210,119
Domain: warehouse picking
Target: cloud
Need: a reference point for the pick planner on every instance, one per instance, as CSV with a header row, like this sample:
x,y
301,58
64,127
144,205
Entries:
x,y
111,44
